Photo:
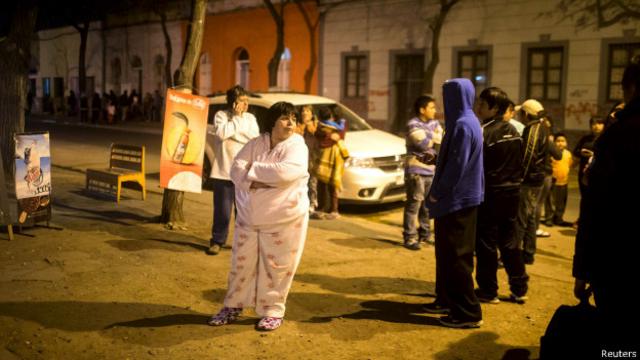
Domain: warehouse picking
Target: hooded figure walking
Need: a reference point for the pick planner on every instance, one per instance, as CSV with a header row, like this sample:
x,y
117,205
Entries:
x,y
456,192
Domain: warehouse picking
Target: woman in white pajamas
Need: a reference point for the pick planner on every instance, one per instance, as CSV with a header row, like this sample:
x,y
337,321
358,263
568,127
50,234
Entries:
x,y
270,175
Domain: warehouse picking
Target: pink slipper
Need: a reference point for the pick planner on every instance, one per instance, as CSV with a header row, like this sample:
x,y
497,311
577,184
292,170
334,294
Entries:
x,y
225,316
269,323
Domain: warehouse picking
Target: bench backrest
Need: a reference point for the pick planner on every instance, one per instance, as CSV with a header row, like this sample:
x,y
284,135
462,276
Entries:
x,y
128,157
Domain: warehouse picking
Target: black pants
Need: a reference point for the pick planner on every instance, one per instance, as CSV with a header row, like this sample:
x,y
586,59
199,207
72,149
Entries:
x,y
497,218
559,202
327,197
455,243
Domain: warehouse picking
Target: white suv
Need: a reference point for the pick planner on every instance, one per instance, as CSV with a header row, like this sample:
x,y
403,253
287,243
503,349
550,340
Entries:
x,y
374,172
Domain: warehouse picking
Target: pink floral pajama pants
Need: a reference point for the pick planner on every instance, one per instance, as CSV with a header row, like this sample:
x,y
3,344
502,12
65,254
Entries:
x,y
263,262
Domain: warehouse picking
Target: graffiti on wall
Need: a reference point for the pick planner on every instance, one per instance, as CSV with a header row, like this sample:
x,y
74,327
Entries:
x,y
580,112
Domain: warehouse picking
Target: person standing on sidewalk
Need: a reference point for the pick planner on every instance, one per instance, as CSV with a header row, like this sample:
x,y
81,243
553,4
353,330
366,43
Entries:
x,y
536,149
560,188
231,130
423,134
497,215
270,175
329,165
606,248
307,125
456,192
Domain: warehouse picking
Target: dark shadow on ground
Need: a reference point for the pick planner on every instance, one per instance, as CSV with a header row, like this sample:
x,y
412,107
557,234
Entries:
x,y
367,243
348,318
124,222
485,342
107,214
366,285
156,244
384,310
155,325
370,208
568,232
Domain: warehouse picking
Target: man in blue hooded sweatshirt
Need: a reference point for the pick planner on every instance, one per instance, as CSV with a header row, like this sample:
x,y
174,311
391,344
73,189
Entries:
x,y
456,192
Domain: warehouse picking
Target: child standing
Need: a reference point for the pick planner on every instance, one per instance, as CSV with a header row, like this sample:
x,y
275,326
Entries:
x,y
561,180
423,134
329,165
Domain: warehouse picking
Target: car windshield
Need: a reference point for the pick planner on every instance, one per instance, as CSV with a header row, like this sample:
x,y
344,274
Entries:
x,y
355,122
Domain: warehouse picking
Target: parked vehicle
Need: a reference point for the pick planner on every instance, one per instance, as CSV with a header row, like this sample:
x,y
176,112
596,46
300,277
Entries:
x,y
374,172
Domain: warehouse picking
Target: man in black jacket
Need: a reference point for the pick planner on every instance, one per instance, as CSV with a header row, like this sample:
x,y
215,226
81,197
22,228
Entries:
x,y
606,253
536,148
503,151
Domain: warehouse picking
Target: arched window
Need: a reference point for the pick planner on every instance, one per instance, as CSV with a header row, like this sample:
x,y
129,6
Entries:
x,y
284,69
242,68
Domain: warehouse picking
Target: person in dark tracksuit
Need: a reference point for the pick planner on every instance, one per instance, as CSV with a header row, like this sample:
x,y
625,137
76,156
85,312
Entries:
x,y
456,192
536,149
497,215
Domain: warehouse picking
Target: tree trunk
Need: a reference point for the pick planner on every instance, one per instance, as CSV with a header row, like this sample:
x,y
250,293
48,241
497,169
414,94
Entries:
x,y
167,44
14,69
436,28
311,27
172,200
82,70
274,63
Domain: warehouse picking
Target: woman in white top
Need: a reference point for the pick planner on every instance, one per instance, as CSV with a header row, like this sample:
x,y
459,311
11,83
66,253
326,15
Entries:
x,y
231,130
270,176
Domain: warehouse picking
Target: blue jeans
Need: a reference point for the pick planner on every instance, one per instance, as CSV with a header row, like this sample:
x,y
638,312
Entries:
x,y
418,187
224,197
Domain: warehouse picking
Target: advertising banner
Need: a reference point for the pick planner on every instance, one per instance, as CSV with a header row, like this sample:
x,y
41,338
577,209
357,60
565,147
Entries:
x,y
183,141
33,176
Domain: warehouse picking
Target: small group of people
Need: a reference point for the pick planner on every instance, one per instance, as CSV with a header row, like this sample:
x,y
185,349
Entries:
x,y
111,108
482,183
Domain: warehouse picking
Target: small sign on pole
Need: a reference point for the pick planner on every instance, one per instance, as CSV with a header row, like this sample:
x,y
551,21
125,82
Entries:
x,y
183,141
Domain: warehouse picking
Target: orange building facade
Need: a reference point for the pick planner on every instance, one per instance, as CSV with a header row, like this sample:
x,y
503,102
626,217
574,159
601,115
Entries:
x,y
238,45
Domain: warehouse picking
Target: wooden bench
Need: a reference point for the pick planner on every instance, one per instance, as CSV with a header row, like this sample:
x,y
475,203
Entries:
x,y
126,164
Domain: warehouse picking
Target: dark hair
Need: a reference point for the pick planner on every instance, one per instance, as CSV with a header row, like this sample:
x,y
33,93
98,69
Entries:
x,y
422,101
597,120
299,113
496,98
631,75
325,113
234,93
558,134
281,108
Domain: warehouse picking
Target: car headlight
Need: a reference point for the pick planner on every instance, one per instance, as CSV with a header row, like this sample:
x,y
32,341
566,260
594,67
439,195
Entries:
x,y
359,162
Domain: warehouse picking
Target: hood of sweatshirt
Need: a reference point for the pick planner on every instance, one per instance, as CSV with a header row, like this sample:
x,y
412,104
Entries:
x,y
458,96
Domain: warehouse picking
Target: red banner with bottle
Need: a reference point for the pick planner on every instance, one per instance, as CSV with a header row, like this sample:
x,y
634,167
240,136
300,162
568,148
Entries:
x,y
183,141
